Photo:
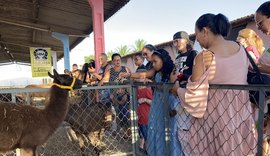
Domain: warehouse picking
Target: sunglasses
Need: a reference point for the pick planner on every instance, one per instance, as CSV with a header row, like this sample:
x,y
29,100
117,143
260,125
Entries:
x,y
144,54
259,24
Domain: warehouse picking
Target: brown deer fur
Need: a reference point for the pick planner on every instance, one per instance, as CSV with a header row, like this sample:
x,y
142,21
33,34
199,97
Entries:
x,y
26,127
89,120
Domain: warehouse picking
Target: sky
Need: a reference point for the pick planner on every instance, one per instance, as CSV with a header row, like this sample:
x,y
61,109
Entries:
x,y
154,21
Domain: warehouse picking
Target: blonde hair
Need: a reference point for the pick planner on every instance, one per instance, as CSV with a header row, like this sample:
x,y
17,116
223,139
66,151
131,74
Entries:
x,y
252,39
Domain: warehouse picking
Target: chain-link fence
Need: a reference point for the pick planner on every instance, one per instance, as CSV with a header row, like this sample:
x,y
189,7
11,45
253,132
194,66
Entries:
x,y
98,121
140,119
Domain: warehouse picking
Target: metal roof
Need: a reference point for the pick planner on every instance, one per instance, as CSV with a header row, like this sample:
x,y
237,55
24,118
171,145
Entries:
x,y
29,23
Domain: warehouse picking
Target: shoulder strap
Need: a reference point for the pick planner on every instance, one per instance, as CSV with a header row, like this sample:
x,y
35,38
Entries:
x,y
106,66
255,67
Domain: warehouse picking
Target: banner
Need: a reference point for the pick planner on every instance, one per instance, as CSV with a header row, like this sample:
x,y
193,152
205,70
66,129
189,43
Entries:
x,y
40,61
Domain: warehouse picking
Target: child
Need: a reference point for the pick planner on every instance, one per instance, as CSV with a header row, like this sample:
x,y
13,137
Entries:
x,y
122,99
144,96
252,42
162,72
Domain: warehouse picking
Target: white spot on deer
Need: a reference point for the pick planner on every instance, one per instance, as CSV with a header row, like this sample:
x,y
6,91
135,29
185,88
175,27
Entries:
x,y
5,113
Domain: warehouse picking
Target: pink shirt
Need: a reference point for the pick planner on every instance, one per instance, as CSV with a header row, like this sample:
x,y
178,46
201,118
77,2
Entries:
x,y
222,118
254,50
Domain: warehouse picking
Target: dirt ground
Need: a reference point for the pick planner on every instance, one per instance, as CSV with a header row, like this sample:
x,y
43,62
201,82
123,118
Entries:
x,y
62,144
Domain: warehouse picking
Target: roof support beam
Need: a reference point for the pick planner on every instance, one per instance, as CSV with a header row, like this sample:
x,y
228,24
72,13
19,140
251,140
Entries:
x,y
28,45
65,40
35,26
35,15
98,25
25,24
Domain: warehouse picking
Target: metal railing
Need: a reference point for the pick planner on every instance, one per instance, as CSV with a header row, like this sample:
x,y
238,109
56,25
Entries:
x,y
101,122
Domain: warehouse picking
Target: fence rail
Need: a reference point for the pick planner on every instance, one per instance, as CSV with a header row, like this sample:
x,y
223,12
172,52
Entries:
x,y
103,120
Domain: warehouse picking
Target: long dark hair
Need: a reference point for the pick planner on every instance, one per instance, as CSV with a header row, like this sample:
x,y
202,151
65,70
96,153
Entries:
x,y
168,64
218,24
264,9
84,72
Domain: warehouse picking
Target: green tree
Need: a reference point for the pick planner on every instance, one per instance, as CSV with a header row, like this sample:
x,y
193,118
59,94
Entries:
x,y
109,54
88,58
123,50
139,44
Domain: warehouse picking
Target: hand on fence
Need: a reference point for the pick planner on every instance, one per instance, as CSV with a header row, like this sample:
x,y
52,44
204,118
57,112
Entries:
x,y
101,83
124,75
122,80
146,80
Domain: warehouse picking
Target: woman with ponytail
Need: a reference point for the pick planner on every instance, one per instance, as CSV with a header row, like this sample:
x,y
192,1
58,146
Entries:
x,y
222,121
252,42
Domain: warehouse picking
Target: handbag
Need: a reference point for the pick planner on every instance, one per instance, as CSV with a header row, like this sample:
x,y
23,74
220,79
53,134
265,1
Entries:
x,y
256,77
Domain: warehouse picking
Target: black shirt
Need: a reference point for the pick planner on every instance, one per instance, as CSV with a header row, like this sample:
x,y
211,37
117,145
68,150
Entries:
x,y
184,62
101,71
141,68
149,65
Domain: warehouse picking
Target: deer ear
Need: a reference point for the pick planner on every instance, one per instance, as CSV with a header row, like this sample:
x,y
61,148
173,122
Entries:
x,y
50,75
55,73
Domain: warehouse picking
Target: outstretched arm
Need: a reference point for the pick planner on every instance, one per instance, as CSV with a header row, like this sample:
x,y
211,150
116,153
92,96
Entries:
x,y
140,75
264,68
93,72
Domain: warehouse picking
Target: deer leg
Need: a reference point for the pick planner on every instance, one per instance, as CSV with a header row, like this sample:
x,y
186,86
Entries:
x,y
83,143
95,138
28,152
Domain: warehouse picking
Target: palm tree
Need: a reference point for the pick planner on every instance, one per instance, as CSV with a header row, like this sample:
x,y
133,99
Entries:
x,y
88,58
139,44
123,50
109,54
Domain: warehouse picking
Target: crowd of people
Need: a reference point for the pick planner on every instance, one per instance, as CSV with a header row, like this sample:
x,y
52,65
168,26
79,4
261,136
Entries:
x,y
202,121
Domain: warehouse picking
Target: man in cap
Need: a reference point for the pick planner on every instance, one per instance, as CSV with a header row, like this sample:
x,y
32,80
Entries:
x,y
186,54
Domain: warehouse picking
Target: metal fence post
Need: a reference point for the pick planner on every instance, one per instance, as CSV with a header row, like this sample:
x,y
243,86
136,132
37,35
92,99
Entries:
x,y
13,97
260,122
134,120
28,98
166,118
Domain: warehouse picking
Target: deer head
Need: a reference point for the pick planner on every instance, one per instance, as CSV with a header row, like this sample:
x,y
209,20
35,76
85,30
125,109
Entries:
x,y
65,81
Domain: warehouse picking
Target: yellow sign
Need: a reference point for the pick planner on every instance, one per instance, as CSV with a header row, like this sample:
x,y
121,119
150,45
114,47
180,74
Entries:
x,y
40,61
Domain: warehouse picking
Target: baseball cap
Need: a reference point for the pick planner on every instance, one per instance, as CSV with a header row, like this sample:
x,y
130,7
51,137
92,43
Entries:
x,y
181,34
